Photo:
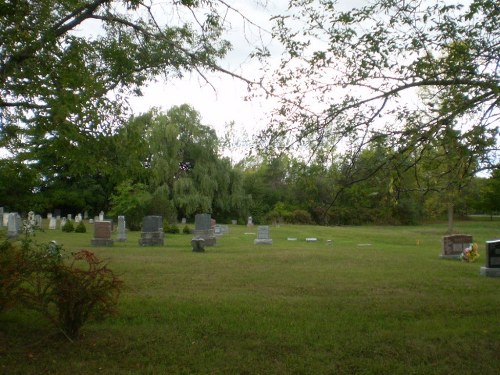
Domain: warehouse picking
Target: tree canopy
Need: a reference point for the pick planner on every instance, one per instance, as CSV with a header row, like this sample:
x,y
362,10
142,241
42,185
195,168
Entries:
x,y
66,67
401,72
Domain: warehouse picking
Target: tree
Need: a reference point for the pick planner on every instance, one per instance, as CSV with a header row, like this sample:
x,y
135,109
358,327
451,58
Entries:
x,y
347,78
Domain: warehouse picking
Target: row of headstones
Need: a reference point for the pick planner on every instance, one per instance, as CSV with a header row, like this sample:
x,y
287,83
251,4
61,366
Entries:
x,y
455,244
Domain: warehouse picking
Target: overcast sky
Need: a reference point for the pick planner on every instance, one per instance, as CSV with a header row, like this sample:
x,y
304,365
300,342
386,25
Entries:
x,y
224,102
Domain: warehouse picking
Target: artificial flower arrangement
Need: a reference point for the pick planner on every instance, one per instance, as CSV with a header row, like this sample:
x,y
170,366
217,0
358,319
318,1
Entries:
x,y
470,254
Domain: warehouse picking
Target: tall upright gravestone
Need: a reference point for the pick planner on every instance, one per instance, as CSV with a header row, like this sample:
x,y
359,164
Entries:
x,y
13,227
122,235
203,229
263,236
152,231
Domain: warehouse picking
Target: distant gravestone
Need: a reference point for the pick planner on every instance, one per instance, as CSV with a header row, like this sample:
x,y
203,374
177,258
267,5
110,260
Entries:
x,y
203,229
102,233
183,221
13,227
85,215
152,231
263,236
69,217
217,230
49,216
492,264
234,222
52,223
63,222
78,218
101,216
5,220
1,217
38,221
311,239
454,245
122,235
250,222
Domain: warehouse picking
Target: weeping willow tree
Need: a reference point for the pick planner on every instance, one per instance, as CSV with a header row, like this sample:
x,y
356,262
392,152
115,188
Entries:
x,y
187,174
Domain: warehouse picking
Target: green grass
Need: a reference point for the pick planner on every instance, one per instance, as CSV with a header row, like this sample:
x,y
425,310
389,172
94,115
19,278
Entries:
x,y
393,307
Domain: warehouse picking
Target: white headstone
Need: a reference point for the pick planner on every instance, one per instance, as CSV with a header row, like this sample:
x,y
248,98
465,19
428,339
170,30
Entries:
x,y
52,223
63,222
101,216
5,219
12,226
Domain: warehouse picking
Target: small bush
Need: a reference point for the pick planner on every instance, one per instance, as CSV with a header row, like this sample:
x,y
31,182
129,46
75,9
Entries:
x,y
173,229
83,293
186,229
68,227
80,228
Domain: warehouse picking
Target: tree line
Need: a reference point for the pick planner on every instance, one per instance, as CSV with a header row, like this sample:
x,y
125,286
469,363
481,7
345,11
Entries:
x,y
170,164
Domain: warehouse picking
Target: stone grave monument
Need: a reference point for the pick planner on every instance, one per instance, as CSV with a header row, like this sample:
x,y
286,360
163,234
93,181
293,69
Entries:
x,y
52,222
263,236
13,227
492,264
5,219
102,233
454,245
152,231
122,235
1,217
203,229
250,222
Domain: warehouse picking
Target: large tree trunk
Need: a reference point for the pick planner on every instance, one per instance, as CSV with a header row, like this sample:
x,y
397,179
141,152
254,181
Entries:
x,y
450,218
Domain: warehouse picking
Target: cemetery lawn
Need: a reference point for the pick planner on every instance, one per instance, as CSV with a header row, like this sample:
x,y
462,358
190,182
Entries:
x,y
389,306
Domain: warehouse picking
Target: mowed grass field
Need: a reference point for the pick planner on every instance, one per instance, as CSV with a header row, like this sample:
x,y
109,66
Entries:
x,y
390,306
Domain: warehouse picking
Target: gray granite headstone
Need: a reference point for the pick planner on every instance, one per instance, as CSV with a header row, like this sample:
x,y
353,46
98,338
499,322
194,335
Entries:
x,y
38,221
152,231
263,236
5,219
203,229
122,235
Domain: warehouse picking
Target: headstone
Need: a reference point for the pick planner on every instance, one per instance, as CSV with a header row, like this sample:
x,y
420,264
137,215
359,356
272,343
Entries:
x,y
96,218
38,221
292,239
52,223
49,216
198,245
263,236
203,229
91,221
5,220
102,233
122,236
78,218
454,245
1,217
58,217
152,231
234,222
217,230
250,222
85,215
13,227
311,239
183,221
63,222
492,264
101,216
